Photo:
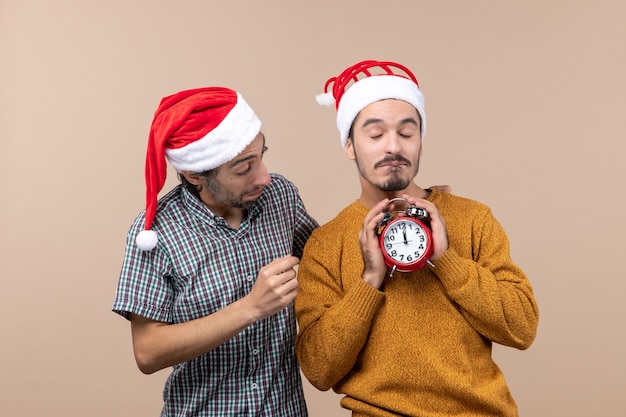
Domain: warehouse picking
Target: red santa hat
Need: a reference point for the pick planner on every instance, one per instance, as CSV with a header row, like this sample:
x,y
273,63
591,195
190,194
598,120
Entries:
x,y
365,83
196,130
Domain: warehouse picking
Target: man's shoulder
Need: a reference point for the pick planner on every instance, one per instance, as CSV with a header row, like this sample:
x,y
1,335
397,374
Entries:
x,y
345,221
448,201
279,191
279,181
166,205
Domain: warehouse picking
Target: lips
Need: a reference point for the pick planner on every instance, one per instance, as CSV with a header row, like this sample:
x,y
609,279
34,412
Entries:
x,y
393,165
393,162
255,193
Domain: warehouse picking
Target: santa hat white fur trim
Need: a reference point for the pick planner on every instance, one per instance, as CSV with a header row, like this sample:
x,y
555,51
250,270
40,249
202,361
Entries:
x,y
227,140
375,88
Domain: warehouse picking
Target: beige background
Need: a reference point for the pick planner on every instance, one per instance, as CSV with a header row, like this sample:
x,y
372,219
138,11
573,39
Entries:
x,y
525,107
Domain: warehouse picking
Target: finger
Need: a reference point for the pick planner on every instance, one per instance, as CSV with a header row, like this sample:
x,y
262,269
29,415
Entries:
x,y
443,188
413,200
380,206
287,275
288,289
290,285
374,216
279,265
288,261
375,211
420,202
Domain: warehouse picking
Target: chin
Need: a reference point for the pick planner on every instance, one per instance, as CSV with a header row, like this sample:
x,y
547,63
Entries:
x,y
394,185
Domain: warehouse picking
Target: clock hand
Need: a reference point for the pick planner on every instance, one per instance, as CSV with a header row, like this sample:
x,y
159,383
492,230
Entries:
x,y
399,243
404,233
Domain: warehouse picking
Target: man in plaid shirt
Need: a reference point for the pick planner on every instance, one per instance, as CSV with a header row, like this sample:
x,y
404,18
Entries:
x,y
208,277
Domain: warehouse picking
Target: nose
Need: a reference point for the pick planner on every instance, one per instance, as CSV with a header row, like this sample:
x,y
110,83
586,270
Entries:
x,y
392,144
263,177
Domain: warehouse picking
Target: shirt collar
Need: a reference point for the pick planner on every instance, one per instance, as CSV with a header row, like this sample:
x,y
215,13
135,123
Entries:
x,y
196,206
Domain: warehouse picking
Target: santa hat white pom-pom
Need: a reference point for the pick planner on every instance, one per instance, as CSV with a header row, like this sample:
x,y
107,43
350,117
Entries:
x,y
325,99
146,240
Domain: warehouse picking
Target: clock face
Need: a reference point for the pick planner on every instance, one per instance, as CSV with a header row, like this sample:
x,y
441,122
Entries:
x,y
406,244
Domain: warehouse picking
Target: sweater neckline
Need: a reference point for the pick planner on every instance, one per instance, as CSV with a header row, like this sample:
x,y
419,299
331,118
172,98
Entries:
x,y
363,209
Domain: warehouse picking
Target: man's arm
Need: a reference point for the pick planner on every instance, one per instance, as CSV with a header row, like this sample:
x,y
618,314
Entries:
x,y
334,311
158,345
492,293
303,227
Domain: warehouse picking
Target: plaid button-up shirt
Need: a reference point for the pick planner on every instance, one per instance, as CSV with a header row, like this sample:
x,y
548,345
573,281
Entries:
x,y
201,265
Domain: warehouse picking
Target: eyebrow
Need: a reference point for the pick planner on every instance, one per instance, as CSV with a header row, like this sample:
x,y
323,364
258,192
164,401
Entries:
x,y
241,161
403,121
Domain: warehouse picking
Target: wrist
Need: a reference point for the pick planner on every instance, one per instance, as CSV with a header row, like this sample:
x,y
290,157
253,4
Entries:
x,y
245,308
373,278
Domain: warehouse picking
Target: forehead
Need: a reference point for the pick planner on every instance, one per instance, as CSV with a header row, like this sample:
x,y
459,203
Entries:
x,y
388,111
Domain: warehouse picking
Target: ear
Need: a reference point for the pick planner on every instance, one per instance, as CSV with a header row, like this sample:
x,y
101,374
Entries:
x,y
192,177
349,149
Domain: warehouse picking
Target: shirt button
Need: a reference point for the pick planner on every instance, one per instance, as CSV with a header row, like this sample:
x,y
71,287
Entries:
x,y
255,351
249,278
254,385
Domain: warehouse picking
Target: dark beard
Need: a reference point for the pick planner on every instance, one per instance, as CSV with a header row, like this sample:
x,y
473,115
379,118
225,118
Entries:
x,y
227,199
244,205
394,184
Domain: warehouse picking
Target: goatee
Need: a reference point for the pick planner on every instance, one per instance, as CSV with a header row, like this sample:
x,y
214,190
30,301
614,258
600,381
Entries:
x,y
394,184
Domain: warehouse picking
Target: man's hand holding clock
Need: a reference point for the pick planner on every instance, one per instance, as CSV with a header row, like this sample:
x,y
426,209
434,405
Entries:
x,y
375,267
406,244
437,225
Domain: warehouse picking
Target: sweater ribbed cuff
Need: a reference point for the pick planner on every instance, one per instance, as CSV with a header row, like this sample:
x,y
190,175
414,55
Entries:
x,y
363,301
450,269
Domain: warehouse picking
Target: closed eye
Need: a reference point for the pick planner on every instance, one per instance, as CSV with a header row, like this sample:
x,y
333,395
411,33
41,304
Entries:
x,y
245,171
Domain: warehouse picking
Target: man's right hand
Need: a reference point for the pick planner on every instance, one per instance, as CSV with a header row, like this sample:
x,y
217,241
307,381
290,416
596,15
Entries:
x,y
276,286
375,267
158,345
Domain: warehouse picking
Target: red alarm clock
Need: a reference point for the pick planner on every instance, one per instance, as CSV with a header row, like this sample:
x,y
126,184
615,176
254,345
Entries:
x,y
405,238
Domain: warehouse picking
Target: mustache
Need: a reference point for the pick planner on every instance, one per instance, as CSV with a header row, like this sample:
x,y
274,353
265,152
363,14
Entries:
x,y
392,158
253,190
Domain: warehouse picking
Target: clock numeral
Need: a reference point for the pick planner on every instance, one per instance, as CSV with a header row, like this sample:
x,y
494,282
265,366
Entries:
x,y
405,242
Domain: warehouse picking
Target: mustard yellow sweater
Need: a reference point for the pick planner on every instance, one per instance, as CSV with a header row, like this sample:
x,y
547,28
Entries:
x,y
421,346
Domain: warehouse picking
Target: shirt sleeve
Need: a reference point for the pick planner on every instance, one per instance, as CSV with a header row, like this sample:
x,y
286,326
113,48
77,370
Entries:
x,y
304,226
144,288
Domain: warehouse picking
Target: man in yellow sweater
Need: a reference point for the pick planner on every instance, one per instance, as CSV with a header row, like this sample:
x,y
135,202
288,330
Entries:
x,y
406,343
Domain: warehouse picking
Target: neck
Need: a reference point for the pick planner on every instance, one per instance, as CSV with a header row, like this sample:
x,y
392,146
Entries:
x,y
370,195
232,215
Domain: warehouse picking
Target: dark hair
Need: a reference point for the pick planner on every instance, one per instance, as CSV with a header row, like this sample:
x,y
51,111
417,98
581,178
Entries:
x,y
195,189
